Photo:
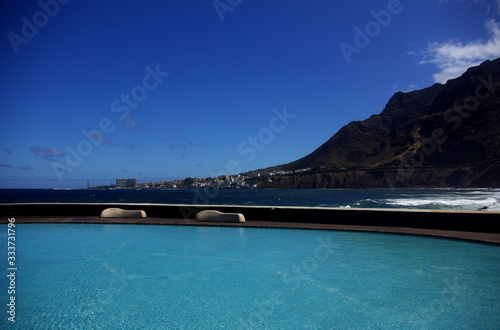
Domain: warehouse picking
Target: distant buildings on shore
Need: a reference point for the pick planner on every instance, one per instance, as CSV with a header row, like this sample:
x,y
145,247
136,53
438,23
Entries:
x,y
126,183
238,181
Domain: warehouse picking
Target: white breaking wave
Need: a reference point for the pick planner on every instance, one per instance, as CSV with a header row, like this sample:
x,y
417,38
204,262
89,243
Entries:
x,y
451,200
449,203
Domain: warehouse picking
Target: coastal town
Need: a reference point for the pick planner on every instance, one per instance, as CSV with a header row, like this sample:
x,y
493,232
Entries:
x,y
239,181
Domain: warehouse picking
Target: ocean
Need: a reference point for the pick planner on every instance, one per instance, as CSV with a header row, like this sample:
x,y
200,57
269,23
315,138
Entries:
x,y
439,199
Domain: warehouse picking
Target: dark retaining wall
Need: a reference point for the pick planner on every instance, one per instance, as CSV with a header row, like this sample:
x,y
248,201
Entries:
x,y
472,221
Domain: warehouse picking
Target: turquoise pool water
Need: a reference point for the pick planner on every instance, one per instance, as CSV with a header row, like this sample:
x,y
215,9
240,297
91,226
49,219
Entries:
x,y
143,276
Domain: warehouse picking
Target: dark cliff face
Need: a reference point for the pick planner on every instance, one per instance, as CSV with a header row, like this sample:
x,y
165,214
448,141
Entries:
x,y
361,143
440,136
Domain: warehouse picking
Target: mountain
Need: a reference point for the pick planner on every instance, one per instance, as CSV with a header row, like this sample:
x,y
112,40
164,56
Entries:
x,y
441,136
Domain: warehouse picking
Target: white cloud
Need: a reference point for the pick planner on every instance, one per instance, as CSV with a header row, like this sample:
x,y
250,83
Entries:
x,y
453,58
46,153
410,88
130,124
95,135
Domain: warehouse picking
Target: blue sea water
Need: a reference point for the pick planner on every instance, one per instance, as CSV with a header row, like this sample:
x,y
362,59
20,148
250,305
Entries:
x,y
173,277
441,199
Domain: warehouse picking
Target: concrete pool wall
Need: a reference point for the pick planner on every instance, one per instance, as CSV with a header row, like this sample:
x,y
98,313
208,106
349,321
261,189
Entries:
x,y
467,221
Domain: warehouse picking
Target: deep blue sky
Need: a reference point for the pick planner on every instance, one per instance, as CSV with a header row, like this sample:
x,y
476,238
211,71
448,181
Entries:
x,y
225,77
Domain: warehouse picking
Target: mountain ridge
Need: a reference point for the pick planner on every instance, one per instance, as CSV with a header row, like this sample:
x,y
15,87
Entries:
x,y
445,135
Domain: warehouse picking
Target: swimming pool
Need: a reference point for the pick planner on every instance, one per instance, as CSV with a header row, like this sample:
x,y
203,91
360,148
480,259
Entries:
x,y
144,276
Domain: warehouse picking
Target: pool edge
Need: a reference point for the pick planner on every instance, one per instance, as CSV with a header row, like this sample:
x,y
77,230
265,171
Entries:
x,y
485,238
